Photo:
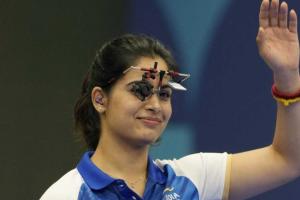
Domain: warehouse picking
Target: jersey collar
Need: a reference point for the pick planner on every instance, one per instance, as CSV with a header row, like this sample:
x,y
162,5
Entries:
x,y
96,179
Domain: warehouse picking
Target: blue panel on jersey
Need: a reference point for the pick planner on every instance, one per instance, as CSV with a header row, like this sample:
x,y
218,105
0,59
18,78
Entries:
x,y
179,187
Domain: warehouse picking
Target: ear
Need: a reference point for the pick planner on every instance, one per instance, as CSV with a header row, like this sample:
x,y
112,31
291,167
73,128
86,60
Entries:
x,y
99,99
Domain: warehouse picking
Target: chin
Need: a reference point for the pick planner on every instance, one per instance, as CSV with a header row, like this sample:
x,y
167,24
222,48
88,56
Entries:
x,y
147,140
146,136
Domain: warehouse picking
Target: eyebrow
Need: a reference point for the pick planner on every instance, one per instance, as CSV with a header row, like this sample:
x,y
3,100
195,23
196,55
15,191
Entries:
x,y
166,86
163,86
136,81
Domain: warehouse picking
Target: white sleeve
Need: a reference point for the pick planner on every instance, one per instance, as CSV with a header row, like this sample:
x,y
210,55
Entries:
x,y
66,188
207,171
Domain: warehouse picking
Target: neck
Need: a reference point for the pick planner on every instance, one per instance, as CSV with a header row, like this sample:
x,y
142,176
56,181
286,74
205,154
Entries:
x,y
120,160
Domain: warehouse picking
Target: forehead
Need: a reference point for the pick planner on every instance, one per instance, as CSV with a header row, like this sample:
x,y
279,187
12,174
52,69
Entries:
x,y
145,62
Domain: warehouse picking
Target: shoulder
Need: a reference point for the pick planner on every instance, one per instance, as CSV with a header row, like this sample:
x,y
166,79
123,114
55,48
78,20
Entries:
x,y
198,161
67,187
209,172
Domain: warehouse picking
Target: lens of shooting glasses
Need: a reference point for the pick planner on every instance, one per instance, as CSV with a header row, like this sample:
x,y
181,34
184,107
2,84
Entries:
x,y
142,89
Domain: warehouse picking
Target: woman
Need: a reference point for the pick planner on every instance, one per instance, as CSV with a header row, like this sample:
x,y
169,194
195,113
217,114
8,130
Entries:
x,y
125,105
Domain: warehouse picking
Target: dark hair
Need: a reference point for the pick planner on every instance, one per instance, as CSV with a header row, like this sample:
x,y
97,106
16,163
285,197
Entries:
x,y
111,60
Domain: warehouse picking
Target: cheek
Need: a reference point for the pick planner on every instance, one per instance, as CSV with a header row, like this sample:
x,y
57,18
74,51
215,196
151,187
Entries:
x,y
124,106
121,116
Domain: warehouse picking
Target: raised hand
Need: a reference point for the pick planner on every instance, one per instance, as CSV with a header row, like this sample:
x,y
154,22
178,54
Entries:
x,y
278,42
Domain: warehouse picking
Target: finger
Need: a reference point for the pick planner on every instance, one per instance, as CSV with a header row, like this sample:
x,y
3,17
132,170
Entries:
x,y
274,13
293,22
264,14
283,15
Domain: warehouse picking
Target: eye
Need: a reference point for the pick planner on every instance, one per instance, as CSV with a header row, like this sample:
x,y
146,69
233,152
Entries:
x,y
165,94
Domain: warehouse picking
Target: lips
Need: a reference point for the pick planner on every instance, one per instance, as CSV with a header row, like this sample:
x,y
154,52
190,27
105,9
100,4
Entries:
x,y
150,121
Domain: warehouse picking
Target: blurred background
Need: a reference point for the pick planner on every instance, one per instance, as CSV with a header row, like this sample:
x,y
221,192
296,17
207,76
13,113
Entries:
x,y
47,46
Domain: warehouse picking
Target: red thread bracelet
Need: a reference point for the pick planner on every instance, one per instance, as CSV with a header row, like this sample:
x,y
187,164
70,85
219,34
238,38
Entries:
x,y
285,99
279,94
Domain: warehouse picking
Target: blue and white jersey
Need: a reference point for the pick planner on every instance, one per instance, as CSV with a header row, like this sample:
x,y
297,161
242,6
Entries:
x,y
201,176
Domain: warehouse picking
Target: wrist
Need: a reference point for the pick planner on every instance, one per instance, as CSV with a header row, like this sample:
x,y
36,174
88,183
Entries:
x,y
287,82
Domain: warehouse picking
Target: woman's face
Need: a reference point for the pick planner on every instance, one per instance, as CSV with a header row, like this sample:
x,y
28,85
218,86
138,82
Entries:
x,y
127,117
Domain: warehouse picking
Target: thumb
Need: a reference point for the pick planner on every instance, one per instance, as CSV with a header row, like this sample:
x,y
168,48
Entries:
x,y
260,35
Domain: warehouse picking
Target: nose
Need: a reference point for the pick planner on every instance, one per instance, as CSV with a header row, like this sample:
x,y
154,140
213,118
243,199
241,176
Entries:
x,y
153,104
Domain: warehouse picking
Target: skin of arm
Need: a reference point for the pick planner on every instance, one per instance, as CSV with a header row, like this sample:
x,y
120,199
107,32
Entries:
x,y
260,170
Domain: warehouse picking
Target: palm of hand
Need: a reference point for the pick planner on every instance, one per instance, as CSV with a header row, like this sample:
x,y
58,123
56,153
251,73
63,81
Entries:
x,y
279,48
